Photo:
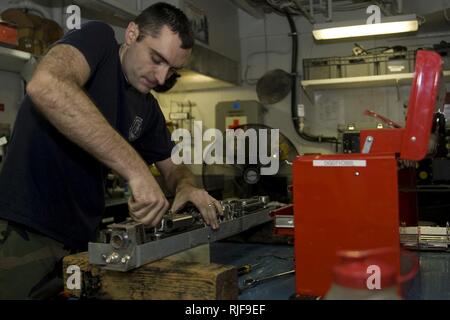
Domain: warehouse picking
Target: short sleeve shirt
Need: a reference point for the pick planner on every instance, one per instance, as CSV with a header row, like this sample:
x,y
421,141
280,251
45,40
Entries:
x,y
53,186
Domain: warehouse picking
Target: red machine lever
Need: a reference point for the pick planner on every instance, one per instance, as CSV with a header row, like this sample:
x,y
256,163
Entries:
x,y
427,95
387,121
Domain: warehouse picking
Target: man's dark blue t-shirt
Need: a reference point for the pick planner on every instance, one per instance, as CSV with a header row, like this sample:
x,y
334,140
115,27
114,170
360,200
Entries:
x,y
51,185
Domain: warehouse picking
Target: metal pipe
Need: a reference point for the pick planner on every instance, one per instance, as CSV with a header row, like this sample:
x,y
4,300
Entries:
x,y
304,11
139,5
446,15
399,6
330,10
382,7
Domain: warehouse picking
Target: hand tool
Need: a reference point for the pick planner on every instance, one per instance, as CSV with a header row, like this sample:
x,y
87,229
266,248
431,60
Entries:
x,y
251,282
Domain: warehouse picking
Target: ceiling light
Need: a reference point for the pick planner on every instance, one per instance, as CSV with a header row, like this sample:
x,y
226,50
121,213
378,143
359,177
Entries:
x,y
352,29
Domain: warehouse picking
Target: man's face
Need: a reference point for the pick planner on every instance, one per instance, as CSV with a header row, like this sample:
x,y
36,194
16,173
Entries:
x,y
151,61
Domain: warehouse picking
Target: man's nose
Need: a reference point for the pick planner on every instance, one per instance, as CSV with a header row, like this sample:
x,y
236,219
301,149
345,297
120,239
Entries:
x,y
161,75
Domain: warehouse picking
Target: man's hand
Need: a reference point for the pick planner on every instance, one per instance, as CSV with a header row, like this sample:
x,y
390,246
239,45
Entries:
x,y
207,205
181,182
148,203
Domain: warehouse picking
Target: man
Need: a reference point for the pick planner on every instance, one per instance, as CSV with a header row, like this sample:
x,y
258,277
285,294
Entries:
x,y
88,107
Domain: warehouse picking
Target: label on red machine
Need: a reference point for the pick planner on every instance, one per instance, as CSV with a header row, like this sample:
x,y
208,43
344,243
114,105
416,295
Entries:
x,y
340,163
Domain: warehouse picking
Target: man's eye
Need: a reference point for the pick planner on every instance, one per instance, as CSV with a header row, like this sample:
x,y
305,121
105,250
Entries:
x,y
157,61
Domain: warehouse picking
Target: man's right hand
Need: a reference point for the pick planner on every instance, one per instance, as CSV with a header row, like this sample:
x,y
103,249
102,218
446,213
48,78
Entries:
x,y
147,204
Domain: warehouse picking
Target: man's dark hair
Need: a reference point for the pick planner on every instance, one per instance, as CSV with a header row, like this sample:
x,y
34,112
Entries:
x,y
161,14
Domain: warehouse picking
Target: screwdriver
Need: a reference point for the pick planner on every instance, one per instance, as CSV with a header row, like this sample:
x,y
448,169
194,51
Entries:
x,y
246,268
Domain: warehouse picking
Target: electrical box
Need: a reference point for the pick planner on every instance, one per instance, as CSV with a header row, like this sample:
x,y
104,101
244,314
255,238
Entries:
x,y
351,142
231,114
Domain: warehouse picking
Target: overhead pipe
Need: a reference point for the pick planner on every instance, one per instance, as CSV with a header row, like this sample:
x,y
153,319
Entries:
x,y
305,12
330,10
400,6
139,6
446,15
382,7
435,22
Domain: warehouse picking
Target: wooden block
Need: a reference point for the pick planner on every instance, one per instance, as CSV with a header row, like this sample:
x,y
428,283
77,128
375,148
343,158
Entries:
x,y
200,254
159,280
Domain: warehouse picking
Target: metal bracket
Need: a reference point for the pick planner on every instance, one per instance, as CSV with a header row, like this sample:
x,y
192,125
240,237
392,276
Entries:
x,y
368,145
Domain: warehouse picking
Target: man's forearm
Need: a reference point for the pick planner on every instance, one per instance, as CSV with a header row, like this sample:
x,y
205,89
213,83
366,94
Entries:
x,y
180,177
72,112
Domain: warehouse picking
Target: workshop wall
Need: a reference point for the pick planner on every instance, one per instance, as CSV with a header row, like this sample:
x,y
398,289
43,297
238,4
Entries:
x,y
12,88
204,106
222,21
266,46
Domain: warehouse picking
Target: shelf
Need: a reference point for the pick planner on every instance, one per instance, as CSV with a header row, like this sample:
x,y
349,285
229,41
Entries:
x,y
362,82
13,60
114,12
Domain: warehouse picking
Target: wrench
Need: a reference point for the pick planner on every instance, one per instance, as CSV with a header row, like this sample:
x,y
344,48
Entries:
x,y
250,282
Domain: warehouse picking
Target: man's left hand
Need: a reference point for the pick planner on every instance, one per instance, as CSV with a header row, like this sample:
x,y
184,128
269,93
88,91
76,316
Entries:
x,y
207,205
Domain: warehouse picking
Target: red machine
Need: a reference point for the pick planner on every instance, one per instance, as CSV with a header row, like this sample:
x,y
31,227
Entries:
x,y
352,201
8,34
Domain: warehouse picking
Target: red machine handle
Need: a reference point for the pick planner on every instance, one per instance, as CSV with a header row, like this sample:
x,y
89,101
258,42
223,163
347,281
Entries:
x,y
427,95
387,121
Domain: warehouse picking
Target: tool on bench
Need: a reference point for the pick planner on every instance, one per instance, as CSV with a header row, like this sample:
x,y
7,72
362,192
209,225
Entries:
x,y
247,268
251,282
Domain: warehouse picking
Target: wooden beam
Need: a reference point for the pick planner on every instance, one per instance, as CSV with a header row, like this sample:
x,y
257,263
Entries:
x,y
161,280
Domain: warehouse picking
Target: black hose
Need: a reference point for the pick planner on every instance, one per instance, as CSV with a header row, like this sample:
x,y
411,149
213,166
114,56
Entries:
x,y
294,65
294,111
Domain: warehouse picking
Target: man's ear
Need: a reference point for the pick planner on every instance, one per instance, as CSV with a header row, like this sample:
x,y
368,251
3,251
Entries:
x,y
132,33
169,84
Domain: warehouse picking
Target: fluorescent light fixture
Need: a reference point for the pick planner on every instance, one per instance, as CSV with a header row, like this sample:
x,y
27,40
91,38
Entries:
x,y
352,29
